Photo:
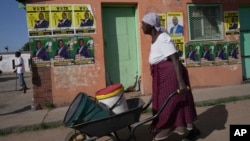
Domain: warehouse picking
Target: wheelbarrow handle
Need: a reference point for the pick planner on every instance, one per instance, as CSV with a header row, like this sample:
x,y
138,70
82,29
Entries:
x,y
151,99
179,91
147,104
154,116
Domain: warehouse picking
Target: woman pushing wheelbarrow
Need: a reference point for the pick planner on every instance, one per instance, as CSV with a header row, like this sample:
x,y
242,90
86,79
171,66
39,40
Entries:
x,y
168,75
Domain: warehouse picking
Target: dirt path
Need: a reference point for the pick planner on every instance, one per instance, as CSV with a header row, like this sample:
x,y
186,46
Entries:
x,y
214,122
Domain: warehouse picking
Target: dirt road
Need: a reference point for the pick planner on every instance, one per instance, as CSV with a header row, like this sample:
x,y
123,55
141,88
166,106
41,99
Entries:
x,y
214,123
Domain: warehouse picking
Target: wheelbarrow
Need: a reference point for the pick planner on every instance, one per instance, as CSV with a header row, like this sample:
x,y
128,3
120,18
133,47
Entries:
x,y
101,124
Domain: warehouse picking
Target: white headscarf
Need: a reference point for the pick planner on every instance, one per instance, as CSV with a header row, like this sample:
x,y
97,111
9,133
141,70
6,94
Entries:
x,y
154,20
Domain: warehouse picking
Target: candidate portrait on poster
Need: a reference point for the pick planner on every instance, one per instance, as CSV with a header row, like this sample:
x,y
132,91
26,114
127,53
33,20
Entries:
x,y
175,23
62,19
231,20
38,20
84,19
179,45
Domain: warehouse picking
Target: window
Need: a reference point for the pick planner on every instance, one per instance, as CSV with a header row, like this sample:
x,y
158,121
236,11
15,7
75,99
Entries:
x,y
205,22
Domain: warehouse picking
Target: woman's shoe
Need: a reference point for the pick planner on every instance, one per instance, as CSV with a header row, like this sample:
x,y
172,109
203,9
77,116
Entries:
x,y
193,134
180,130
162,135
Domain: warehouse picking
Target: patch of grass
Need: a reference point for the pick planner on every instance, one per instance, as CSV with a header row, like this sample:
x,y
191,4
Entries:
x,y
30,128
49,105
5,132
221,101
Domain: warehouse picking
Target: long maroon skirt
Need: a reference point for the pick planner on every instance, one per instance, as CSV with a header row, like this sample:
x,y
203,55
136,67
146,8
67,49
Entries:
x,y
181,109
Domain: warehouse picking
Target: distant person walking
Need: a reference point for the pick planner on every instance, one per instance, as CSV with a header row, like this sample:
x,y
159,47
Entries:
x,y
1,58
20,69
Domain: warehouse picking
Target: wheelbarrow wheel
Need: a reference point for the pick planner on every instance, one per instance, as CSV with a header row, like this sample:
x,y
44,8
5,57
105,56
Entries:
x,y
76,136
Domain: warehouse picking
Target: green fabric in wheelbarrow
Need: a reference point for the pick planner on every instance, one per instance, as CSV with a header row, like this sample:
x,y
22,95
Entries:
x,y
83,109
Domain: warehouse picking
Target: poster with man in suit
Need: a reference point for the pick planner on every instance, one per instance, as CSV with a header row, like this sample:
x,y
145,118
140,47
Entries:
x,y
193,54
163,19
233,53
207,54
39,53
62,19
84,19
221,53
179,45
38,20
84,53
64,51
231,20
175,23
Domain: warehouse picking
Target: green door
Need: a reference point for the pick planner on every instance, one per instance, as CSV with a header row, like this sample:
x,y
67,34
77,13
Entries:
x,y
245,40
120,44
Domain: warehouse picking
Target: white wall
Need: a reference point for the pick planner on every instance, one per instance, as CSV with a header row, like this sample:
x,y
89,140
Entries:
x,y
6,63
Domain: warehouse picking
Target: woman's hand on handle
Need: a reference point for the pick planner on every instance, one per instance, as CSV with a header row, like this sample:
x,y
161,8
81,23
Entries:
x,y
181,90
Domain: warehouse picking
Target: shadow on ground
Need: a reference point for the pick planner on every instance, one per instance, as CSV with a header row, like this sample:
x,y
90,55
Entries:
x,y
4,78
26,108
212,119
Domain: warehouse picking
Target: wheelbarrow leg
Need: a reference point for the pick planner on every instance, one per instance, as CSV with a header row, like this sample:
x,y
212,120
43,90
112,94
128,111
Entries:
x,y
153,117
128,139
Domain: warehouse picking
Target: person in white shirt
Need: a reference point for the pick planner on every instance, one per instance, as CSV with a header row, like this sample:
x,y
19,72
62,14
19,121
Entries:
x,y
20,69
168,76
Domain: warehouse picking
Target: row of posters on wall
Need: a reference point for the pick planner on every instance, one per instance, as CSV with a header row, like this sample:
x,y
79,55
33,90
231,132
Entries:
x,y
173,23
56,20
203,53
196,54
61,51
60,34
77,50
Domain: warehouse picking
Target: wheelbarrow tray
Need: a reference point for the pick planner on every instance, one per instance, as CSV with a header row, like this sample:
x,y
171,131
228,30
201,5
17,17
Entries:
x,y
113,123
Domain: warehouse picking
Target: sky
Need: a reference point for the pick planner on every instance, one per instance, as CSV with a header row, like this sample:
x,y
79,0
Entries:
x,y
13,27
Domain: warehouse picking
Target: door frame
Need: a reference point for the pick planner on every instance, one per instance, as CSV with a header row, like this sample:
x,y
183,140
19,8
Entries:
x,y
135,6
243,46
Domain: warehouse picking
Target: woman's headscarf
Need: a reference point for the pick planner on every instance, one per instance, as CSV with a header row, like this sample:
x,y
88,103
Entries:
x,y
153,19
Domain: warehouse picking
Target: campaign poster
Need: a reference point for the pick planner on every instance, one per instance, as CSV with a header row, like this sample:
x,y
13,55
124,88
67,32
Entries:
x,y
175,24
207,54
221,53
49,43
64,51
231,20
180,47
38,20
62,20
193,54
84,54
233,53
39,52
163,20
84,19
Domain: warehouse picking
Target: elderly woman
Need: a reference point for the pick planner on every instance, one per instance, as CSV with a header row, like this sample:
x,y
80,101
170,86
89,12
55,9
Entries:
x,y
168,75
